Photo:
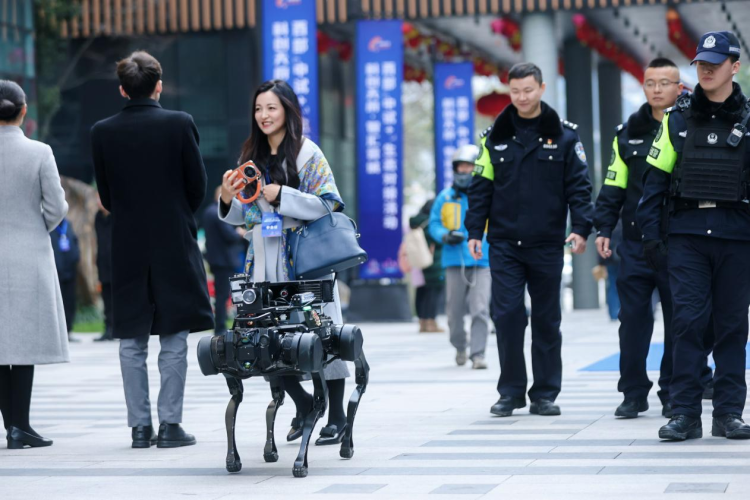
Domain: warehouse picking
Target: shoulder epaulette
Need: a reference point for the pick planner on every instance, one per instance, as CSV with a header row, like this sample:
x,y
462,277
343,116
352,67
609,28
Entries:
x,y
620,128
485,132
570,125
683,103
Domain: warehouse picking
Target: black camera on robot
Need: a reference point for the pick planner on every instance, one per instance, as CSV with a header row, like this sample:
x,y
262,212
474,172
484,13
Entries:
x,y
280,330
279,327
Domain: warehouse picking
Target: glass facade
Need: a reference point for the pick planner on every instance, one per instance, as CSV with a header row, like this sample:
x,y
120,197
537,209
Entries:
x,y
17,53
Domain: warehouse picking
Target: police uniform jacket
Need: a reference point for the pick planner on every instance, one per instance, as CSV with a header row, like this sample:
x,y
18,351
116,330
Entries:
x,y
522,188
623,184
666,154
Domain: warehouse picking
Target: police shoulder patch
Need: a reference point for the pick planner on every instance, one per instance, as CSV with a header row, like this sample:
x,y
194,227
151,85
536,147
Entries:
x,y
611,175
659,132
580,152
478,169
654,152
612,158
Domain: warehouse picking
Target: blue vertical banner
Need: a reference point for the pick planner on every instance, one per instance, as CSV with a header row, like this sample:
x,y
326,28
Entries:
x,y
454,116
380,67
290,53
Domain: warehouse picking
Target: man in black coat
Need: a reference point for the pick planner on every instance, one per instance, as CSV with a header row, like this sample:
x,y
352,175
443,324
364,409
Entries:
x,y
223,249
151,177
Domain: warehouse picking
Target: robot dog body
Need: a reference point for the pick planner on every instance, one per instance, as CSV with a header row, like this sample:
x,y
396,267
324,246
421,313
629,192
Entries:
x,y
279,331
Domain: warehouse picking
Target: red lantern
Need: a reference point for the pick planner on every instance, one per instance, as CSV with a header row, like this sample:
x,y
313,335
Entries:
x,y
590,37
678,36
492,104
508,28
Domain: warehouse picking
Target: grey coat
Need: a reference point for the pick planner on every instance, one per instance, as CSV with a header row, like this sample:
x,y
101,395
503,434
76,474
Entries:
x,y
32,204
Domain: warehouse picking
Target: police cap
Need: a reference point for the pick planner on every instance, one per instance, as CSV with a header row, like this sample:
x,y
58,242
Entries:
x,y
716,46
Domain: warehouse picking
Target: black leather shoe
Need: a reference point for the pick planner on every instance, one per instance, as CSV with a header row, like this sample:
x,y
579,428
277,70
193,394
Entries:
x,y
506,404
544,407
173,436
331,435
631,407
296,430
143,436
708,392
731,427
682,427
666,410
18,439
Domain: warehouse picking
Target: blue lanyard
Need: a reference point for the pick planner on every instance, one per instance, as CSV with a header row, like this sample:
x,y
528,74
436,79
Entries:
x,y
62,229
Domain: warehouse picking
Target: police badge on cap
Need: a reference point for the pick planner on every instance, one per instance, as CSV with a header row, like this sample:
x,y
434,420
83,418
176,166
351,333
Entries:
x,y
716,46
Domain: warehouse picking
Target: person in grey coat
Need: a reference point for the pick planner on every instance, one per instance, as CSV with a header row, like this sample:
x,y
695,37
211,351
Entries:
x,y
296,181
32,317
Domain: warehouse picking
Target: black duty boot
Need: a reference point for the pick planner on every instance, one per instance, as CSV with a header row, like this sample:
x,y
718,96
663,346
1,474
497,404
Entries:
x,y
682,427
730,426
666,410
143,436
544,407
173,436
506,404
631,407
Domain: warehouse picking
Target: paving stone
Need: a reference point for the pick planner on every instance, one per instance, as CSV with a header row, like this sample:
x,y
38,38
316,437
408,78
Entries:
x,y
352,489
696,488
463,489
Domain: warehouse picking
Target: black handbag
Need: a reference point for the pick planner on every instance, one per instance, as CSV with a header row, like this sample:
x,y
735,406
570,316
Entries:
x,y
324,246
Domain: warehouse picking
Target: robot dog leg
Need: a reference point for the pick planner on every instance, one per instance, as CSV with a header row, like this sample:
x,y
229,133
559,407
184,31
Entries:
x,y
236,389
320,397
270,453
362,377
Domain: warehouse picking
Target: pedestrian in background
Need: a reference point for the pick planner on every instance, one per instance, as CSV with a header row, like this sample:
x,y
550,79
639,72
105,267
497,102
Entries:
x,y
223,244
432,289
103,229
468,280
151,177
67,255
532,170
32,315
296,182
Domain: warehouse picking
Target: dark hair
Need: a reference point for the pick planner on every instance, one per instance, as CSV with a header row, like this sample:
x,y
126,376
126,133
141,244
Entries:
x,y
734,58
139,73
661,62
256,147
12,100
522,70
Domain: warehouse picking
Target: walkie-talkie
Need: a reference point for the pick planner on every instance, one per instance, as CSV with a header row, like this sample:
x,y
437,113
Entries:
x,y
739,129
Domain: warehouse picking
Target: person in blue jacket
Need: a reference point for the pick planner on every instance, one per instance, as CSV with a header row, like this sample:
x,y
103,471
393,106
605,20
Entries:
x,y
468,280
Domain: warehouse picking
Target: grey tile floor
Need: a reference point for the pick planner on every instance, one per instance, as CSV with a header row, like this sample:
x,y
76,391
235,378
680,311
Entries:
x,y
423,429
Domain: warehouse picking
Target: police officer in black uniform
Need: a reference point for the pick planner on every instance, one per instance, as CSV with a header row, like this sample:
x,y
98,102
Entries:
x,y
531,169
618,198
701,167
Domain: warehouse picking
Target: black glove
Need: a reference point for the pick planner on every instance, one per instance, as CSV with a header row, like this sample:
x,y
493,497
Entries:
x,y
454,237
655,252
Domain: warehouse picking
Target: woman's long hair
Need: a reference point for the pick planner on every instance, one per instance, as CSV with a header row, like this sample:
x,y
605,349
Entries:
x,y
256,147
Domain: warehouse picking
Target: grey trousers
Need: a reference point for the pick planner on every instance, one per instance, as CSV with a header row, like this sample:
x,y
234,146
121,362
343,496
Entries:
x,y
172,368
474,300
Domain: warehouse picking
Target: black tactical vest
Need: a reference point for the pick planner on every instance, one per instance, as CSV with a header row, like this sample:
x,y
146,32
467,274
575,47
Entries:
x,y
709,170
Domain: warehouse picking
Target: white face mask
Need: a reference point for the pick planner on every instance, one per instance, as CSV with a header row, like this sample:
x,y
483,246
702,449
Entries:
x,y
462,181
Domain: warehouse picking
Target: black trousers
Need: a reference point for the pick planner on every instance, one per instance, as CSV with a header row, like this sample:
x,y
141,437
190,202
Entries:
x,y
15,395
513,267
222,291
427,300
635,285
710,281
68,290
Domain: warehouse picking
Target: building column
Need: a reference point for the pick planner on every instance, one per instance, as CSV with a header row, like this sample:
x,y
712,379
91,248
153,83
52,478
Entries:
x,y
578,93
610,112
539,46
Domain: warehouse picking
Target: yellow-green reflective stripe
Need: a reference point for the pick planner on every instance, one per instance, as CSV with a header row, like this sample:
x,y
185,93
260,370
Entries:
x,y
662,154
483,165
617,172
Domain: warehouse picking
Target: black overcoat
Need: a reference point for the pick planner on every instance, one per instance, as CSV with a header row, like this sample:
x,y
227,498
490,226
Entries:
x,y
151,177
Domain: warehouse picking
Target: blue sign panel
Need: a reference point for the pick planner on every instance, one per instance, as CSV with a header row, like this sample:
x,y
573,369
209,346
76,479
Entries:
x,y
380,63
290,53
454,116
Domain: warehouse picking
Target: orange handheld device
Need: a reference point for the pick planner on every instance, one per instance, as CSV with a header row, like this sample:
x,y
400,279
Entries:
x,y
249,173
